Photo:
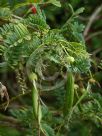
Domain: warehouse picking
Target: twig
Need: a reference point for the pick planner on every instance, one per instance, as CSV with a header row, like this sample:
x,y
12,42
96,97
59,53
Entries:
x,y
92,18
96,51
50,88
93,35
83,18
14,98
17,17
8,119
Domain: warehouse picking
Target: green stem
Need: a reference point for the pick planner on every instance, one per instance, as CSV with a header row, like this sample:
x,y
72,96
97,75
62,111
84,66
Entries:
x,y
79,106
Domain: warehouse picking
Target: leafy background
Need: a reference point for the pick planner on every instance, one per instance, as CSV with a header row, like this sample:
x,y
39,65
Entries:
x,y
20,111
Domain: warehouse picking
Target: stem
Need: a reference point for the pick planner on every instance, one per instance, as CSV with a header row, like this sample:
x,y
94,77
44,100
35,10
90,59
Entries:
x,y
13,99
38,105
80,99
79,105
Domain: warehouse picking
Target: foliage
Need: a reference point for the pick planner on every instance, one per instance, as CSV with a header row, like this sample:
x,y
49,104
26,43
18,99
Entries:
x,y
49,59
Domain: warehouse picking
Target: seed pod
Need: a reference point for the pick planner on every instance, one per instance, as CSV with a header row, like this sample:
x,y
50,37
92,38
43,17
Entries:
x,y
36,103
35,98
69,95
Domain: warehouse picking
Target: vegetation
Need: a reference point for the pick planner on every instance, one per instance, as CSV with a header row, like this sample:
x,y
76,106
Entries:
x,y
50,84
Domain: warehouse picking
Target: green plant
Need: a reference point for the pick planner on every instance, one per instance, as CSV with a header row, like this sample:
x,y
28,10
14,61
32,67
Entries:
x,y
29,47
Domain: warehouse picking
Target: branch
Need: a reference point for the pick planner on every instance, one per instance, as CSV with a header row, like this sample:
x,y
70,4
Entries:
x,y
92,19
93,35
17,17
14,98
96,51
83,18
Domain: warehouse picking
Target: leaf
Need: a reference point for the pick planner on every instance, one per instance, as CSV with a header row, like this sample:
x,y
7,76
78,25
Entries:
x,y
55,2
5,13
71,8
47,130
79,11
2,49
28,2
52,58
19,5
3,67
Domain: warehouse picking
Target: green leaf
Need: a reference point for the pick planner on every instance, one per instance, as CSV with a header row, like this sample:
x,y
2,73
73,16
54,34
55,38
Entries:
x,y
5,13
79,11
3,67
8,131
47,130
19,5
55,2
71,8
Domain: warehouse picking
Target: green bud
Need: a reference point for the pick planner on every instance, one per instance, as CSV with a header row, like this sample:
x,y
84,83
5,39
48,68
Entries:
x,y
33,76
70,59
